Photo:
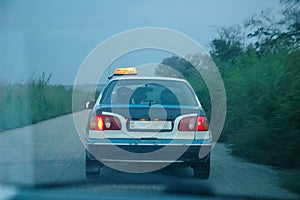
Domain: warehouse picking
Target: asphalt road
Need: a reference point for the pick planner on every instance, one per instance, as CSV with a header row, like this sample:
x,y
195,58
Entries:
x,y
48,158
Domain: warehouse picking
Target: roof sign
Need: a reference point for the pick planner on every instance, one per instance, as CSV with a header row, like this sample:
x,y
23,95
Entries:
x,y
127,71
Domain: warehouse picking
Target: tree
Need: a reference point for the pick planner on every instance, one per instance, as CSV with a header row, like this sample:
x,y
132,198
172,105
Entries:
x,y
272,33
229,44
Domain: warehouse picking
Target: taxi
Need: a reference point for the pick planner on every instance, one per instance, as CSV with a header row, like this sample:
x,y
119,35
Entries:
x,y
145,121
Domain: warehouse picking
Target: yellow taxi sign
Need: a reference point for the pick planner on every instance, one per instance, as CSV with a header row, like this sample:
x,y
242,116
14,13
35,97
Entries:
x,y
127,70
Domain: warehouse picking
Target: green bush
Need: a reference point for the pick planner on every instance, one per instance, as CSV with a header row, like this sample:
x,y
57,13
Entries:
x,y
291,179
264,108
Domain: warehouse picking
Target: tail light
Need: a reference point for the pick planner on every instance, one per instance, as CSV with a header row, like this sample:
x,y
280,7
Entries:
x,y
202,123
199,123
104,122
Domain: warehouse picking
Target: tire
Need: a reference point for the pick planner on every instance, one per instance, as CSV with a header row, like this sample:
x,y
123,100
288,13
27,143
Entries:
x,y
92,168
202,170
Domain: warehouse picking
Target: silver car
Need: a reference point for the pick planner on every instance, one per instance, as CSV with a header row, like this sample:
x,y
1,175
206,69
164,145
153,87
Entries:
x,y
142,121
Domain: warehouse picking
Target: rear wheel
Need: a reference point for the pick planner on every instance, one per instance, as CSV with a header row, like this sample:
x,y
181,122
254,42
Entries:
x,y
92,168
202,170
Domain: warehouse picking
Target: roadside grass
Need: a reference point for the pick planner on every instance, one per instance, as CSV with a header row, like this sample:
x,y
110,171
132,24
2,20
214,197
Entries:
x,y
291,179
36,100
263,112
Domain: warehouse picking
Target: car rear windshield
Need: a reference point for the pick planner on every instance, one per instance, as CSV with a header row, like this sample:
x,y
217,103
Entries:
x,y
147,91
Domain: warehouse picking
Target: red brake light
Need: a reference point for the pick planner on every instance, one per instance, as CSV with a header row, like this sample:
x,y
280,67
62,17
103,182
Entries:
x,y
199,123
202,123
105,122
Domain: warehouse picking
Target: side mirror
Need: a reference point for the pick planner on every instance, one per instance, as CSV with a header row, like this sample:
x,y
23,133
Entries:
x,y
89,104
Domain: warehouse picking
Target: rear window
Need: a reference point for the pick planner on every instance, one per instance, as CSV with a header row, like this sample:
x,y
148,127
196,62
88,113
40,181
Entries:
x,y
137,91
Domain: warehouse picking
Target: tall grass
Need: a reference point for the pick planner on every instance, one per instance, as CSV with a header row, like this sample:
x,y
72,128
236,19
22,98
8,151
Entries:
x,y
34,101
264,108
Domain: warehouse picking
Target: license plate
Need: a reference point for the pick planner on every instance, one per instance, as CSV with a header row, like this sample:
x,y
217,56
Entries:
x,y
151,125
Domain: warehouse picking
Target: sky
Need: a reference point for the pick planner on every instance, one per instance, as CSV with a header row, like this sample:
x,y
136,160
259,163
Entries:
x,y
55,36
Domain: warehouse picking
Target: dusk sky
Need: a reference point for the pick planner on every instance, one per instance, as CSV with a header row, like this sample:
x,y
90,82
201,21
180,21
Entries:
x,y
55,36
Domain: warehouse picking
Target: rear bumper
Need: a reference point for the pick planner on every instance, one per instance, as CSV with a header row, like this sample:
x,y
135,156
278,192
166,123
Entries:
x,y
149,151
